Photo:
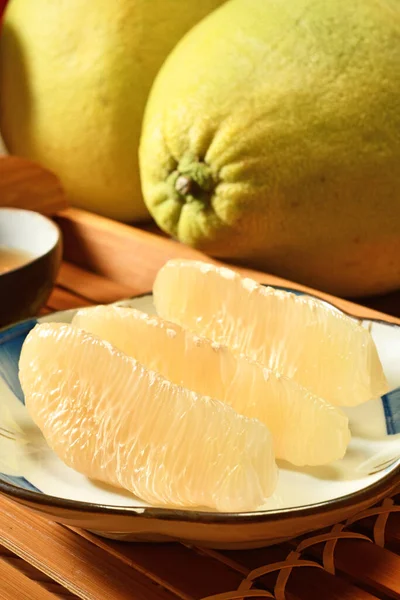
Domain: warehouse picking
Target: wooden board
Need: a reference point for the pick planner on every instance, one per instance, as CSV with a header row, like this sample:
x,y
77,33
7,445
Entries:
x,y
25,184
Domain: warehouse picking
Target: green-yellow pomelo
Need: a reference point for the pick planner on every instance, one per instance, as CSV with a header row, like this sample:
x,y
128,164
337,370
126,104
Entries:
x,y
272,136
74,80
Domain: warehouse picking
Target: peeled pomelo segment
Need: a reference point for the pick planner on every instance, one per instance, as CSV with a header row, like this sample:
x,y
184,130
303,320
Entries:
x,y
323,349
306,429
113,420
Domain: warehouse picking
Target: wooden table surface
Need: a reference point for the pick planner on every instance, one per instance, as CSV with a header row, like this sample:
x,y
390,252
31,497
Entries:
x,y
40,560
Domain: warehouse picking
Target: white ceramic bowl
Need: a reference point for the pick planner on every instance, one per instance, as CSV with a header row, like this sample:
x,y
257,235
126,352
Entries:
x,y
25,289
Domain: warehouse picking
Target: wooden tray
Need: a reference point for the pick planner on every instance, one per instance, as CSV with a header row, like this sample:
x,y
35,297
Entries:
x,y
39,560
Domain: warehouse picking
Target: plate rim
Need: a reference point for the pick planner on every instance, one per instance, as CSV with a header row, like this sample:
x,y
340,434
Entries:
x,y
378,488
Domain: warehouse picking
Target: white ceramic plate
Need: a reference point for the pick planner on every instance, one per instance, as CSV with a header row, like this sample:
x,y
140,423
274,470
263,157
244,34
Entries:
x,y
305,498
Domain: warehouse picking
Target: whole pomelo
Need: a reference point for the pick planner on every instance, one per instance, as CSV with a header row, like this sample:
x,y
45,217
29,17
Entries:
x,y
272,137
2,7
74,79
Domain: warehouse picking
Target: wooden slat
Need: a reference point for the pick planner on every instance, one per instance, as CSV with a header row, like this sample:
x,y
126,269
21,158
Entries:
x,y
392,530
367,565
304,583
15,585
29,571
186,573
90,286
132,257
83,568
61,299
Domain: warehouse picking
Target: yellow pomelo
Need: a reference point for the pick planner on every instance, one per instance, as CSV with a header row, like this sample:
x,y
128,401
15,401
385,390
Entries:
x,y
113,420
74,80
321,348
306,430
272,136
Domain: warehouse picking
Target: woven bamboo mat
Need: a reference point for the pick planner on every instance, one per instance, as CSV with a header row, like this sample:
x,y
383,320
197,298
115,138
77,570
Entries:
x,y
40,560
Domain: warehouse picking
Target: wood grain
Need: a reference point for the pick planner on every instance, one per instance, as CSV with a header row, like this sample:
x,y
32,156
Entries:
x,y
370,566
31,573
13,585
62,299
89,286
24,184
81,567
132,257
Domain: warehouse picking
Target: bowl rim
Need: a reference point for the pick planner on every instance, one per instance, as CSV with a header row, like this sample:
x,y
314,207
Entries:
x,y
366,494
45,220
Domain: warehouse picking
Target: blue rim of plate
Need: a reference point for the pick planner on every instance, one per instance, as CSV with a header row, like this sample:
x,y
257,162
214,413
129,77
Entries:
x,y
377,489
